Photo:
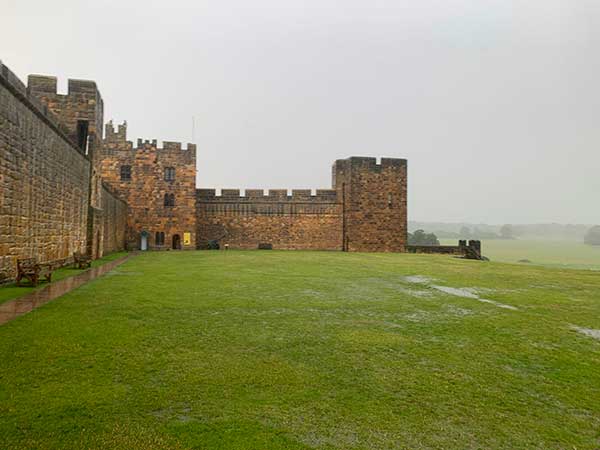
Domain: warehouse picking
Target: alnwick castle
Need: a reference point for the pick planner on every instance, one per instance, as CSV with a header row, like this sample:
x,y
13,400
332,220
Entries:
x,y
69,183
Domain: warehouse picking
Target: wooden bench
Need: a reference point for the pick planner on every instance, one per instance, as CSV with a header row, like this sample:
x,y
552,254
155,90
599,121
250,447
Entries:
x,y
30,269
82,261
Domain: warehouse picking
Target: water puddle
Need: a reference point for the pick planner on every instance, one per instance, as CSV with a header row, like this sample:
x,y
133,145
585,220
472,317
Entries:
x,y
22,305
457,292
587,332
469,293
418,279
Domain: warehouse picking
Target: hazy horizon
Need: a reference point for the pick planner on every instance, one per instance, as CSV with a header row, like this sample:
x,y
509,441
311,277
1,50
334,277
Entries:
x,y
493,103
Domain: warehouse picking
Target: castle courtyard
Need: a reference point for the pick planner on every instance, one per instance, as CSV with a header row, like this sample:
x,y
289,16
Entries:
x,y
297,350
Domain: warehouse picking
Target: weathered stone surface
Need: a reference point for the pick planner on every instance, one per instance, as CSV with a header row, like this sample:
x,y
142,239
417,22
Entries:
x,y
286,222
366,211
375,203
145,191
52,202
44,186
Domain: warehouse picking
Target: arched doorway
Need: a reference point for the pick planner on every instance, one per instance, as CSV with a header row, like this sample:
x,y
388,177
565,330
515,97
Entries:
x,y
176,242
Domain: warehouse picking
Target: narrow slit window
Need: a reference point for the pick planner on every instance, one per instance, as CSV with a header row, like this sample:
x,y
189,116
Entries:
x,y
82,135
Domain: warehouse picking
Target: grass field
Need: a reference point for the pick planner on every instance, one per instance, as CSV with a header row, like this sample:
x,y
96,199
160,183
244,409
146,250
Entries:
x,y
556,253
299,350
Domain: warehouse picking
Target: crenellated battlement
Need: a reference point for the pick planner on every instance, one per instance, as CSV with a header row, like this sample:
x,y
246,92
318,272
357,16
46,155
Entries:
x,y
369,164
115,135
272,195
118,138
12,82
49,85
168,146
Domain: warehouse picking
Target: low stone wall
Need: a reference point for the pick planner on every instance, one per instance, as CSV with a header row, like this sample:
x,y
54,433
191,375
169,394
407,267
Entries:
x,y
472,250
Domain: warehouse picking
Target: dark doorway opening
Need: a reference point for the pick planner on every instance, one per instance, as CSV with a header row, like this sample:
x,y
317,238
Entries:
x,y
176,242
82,135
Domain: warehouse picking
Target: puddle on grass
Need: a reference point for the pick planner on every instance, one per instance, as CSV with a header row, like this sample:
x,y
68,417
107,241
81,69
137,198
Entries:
x,y
418,279
457,292
587,332
416,293
469,293
458,311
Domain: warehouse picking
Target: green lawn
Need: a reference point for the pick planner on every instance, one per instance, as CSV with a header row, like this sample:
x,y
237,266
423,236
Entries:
x,y
298,350
9,292
557,253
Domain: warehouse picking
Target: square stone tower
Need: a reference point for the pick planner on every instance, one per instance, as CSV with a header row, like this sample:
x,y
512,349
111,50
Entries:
x,y
159,186
374,198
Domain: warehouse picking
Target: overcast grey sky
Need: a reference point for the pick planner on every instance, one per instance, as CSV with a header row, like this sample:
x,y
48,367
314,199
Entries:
x,y
495,103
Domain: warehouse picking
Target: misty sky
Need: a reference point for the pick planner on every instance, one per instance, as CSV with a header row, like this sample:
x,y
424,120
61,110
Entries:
x,y
495,103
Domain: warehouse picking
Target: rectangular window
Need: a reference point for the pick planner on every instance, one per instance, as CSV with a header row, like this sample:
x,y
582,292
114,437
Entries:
x,y
169,200
82,135
125,173
170,174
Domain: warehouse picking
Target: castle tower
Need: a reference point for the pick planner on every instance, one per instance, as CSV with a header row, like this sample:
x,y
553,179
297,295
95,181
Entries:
x,y
81,113
374,198
159,186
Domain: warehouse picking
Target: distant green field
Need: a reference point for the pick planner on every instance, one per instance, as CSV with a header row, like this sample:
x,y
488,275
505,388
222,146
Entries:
x,y
566,254
308,350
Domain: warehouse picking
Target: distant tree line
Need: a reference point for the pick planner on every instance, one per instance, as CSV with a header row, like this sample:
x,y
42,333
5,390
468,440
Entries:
x,y
592,237
484,231
420,237
465,232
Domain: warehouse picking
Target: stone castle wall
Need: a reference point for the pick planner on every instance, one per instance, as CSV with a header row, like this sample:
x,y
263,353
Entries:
x,y
365,211
82,102
145,191
64,190
298,221
44,181
114,223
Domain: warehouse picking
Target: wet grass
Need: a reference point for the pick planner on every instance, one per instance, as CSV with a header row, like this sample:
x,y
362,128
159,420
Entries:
x,y
298,350
10,291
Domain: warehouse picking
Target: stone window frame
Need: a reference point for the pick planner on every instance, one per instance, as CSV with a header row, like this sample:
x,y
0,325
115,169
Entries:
x,y
169,200
125,172
169,173
159,238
